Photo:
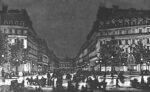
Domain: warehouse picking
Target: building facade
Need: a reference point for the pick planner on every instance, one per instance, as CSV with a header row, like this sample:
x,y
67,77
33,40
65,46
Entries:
x,y
67,65
16,24
42,56
128,26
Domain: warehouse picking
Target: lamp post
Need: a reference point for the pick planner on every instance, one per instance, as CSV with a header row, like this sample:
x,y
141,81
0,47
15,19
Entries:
x,y
2,56
23,69
17,67
142,79
112,68
99,62
148,66
23,72
2,68
33,67
141,64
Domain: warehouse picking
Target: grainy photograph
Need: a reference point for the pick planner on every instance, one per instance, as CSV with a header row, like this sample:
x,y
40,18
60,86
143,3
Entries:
x,y
74,45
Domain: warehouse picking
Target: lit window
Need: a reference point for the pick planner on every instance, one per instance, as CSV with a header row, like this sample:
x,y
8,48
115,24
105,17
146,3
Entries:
x,y
13,31
25,32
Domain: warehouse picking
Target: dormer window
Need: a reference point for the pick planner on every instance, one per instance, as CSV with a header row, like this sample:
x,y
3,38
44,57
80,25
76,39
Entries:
x,y
140,21
113,21
107,22
134,21
120,22
140,30
147,20
148,29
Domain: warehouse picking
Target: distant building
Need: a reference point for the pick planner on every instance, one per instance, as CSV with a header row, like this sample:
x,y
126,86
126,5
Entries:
x,y
127,26
43,58
67,65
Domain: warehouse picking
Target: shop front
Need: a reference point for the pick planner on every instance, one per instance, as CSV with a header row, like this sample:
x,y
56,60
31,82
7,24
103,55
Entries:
x,y
42,67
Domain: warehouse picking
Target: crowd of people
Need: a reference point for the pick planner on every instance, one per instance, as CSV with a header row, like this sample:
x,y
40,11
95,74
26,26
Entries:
x,y
49,80
56,81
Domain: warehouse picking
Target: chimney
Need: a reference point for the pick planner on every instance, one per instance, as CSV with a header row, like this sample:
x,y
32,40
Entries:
x,y
4,8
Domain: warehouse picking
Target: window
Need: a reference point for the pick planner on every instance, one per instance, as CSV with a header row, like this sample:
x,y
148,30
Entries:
x,y
133,30
148,29
120,32
133,41
5,22
4,31
13,31
148,47
22,40
140,30
147,40
101,42
25,32
120,42
15,40
126,50
126,42
18,31
126,31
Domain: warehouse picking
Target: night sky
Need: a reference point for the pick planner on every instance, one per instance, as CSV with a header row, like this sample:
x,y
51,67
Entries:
x,y
66,23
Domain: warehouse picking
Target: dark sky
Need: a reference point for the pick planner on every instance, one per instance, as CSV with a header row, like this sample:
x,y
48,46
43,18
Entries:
x,y
65,23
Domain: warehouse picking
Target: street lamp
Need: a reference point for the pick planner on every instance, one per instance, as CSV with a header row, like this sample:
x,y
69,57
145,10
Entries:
x,y
141,64
23,68
112,70
2,56
123,66
99,62
148,65
142,79
17,67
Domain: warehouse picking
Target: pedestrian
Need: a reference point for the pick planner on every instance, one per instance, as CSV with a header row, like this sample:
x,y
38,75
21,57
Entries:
x,y
44,81
117,81
83,89
31,81
48,75
37,80
36,89
77,86
22,83
27,80
48,81
3,73
39,89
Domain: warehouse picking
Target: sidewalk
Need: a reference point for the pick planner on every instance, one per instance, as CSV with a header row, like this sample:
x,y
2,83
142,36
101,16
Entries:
x,y
125,89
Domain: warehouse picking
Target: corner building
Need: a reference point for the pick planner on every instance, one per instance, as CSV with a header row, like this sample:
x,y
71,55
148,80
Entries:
x,y
17,25
128,26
